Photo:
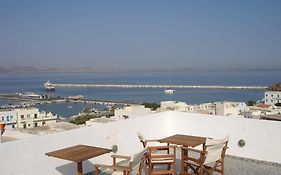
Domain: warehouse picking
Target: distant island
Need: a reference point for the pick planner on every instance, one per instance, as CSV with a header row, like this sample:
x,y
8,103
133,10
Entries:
x,y
31,69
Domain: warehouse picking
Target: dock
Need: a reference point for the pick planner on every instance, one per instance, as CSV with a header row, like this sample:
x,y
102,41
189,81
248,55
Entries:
x,y
157,86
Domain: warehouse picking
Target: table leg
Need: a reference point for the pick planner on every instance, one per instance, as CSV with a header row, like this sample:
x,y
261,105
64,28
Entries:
x,y
182,164
79,168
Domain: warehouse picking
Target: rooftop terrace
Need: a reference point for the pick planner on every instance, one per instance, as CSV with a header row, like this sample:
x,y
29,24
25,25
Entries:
x,y
260,155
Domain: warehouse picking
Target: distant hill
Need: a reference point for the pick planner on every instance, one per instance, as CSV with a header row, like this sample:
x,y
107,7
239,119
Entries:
x,y
19,69
275,87
30,69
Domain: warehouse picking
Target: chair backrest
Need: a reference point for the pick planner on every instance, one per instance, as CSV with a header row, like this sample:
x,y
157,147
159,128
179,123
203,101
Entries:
x,y
215,149
141,139
136,160
148,143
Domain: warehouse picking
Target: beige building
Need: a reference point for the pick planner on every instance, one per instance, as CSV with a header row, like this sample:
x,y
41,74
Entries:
x,y
26,118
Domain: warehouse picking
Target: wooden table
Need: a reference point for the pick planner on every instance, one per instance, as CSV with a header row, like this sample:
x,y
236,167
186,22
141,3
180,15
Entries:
x,y
184,140
78,153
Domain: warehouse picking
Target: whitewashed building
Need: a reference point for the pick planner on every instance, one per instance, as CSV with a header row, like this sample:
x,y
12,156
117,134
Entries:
x,y
9,117
26,118
272,97
131,112
100,121
173,106
229,108
205,108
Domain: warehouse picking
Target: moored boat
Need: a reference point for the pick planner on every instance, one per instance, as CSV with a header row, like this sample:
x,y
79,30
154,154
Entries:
x,y
49,87
169,91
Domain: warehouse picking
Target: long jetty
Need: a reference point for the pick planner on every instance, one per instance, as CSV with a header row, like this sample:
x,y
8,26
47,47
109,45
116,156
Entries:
x,y
157,86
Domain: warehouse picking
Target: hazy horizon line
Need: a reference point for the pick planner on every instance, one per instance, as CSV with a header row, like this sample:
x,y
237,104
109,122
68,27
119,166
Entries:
x,y
32,69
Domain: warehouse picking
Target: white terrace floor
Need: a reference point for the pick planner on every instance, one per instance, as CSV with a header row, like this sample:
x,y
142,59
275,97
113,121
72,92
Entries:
x,y
262,138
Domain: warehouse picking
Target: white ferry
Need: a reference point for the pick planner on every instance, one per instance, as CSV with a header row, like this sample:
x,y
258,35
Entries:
x,y
49,87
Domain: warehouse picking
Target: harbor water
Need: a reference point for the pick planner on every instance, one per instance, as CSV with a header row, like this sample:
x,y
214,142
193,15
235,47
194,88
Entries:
x,y
12,83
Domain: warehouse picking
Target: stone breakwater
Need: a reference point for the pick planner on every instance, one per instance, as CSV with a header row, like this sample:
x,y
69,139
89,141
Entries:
x,y
158,86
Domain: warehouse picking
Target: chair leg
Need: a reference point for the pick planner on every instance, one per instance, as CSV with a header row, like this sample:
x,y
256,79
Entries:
x,y
97,171
201,170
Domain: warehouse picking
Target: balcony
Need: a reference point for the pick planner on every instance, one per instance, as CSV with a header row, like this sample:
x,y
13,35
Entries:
x,y
260,154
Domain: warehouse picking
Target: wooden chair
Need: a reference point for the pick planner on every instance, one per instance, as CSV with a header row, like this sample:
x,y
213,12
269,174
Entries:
x,y
161,159
129,166
206,161
159,156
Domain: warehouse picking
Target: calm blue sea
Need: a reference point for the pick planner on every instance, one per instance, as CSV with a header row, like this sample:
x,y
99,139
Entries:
x,y
11,83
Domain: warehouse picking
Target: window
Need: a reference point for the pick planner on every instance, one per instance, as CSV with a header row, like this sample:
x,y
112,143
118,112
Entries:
x,y
22,116
271,95
35,124
2,118
43,123
35,115
24,126
8,118
28,125
11,117
266,95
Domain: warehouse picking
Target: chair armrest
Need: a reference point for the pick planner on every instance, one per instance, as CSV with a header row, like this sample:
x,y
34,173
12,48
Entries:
x,y
152,140
114,157
144,142
121,157
193,150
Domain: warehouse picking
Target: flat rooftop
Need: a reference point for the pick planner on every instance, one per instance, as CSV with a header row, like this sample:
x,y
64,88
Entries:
x,y
260,155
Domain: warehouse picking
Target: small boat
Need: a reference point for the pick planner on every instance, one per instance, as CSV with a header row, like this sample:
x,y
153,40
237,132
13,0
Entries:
x,y
169,91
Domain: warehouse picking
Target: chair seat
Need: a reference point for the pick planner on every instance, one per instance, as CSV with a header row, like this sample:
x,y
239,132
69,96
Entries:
x,y
162,160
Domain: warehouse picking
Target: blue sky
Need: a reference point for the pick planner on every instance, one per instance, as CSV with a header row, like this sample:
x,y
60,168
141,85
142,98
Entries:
x,y
140,34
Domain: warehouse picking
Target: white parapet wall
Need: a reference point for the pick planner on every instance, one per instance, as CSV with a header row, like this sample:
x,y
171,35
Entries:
x,y
262,138
27,156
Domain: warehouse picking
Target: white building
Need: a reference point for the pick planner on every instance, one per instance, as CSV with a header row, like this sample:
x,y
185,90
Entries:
x,y
173,106
100,121
26,118
272,97
229,108
205,108
131,112
9,117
